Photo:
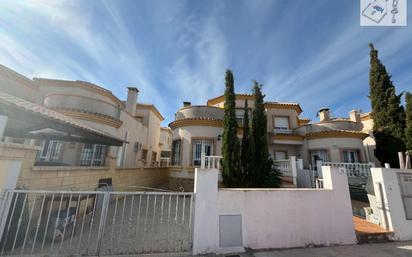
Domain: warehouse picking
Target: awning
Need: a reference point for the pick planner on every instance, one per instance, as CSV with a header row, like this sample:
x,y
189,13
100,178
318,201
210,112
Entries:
x,y
30,120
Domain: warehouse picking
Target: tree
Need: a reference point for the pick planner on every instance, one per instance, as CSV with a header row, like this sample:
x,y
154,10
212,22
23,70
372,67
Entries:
x,y
408,121
263,172
230,144
387,112
246,146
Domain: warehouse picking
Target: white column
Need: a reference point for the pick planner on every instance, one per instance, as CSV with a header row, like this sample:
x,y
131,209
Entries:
x,y
3,123
9,174
293,166
206,218
389,202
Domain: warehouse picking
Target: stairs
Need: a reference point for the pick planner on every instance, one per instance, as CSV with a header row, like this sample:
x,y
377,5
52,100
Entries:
x,y
367,232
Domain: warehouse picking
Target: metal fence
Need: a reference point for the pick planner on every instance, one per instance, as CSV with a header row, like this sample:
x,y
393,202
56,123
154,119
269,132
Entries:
x,y
405,182
95,223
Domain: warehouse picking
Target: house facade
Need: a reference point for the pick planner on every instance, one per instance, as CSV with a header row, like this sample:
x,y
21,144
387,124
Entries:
x,y
137,124
198,128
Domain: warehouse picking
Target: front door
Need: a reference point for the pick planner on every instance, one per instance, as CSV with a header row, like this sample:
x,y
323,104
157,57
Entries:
x,y
318,155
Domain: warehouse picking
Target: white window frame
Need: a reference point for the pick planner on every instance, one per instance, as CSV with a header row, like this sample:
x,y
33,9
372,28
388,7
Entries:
x,y
51,150
281,128
350,155
93,155
199,146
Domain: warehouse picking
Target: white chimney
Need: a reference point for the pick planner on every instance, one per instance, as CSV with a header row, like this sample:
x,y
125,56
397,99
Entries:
x,y
324,114
132,93
354,116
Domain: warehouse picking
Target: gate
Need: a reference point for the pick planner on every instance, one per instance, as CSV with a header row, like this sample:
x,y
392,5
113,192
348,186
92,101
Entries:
x,y
95,223
405,182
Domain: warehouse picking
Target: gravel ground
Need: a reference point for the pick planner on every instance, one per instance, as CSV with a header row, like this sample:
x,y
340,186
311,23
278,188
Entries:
x,y
134,225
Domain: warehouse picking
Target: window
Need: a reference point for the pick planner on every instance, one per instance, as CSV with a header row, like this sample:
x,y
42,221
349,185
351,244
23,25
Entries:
x,y
93,155
239,115
318,155
51,150
281,155
176,146
144,155
281,123
350,156
154,157
197,147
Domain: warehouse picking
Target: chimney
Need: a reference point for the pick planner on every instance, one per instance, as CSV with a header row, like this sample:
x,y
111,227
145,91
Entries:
x,y
186,104
132,93
324,114
354,116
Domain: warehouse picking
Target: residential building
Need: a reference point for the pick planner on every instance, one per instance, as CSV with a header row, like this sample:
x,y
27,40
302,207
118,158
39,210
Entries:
x,y
137,124
198,128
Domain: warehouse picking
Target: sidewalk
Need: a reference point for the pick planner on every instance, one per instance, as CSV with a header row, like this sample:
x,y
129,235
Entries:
x,y
398,249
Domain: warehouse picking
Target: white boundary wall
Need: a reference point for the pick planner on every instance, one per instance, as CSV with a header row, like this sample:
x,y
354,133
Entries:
x,y
393,204
274,218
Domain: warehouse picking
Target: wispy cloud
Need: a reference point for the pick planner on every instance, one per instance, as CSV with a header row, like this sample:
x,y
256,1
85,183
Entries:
x,y
312,52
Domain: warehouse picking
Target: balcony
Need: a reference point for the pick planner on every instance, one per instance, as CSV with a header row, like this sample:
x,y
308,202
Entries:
x,y
82,103
200,111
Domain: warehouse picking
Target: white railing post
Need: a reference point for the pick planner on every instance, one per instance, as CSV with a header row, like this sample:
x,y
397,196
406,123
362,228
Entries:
x,y
202,160
299,163
293,167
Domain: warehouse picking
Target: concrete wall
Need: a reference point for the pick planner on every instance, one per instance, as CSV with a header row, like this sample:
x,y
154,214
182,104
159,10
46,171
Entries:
x,y
274,218
394,208
334,146
18,85
200,111
78,178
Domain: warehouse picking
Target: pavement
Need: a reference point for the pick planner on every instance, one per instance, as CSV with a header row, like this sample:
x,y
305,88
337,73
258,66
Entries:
x,y
398,249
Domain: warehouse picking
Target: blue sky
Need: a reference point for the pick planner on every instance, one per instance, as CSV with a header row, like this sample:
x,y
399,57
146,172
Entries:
x,y
311,52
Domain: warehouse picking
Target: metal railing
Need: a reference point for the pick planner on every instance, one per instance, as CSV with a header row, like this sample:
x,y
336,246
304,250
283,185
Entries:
x,y
352,169
93,223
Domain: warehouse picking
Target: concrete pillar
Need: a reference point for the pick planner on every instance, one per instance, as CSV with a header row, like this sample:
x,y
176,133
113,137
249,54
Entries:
x,y
3,123
206,218
9,174
389,202
293,166
335,179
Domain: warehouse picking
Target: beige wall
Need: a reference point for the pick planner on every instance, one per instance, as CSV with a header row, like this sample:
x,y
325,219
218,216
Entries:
x,y
334,147
166,138
79,178
89,97
18,85
187,133
290,113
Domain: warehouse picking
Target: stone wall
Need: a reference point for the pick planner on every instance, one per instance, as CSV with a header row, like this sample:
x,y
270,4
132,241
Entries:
x,y
80,178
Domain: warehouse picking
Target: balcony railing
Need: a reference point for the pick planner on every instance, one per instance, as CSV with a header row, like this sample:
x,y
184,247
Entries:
x,y
355,169
210,162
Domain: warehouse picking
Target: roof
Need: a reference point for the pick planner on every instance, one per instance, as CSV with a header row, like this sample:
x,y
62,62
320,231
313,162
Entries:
x,y
366,116
284,105
150,107
336,134
221,98
281,105
30,120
